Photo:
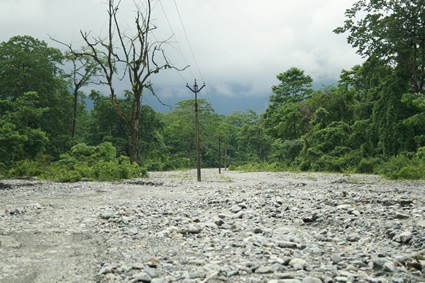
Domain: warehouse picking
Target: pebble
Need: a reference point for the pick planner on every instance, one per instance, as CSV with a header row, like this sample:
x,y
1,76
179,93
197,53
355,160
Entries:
x,y
141,277
310,279
298,263
405,237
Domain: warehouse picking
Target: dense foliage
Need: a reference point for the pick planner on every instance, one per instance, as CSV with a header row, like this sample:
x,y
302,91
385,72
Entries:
x,y
371,121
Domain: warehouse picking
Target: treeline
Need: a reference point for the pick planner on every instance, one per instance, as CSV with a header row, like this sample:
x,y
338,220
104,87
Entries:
x,y
371,121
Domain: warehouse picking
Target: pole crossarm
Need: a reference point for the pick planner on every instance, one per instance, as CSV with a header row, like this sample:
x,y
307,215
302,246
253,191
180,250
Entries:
x,y
195,87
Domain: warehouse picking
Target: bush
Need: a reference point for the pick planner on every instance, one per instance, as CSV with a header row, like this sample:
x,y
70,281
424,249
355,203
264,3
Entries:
x,y
94,163
340,159
404,167
30,168
154,165
368,165
287,151
120,168
26,168
411,173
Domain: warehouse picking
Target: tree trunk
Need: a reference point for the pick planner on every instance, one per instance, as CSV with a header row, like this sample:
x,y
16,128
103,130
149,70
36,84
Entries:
x,y
135,57
135,146
74,117
134,126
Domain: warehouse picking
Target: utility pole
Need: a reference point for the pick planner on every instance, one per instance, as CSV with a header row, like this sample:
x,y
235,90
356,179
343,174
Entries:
x,y
195,90
225,156
219,155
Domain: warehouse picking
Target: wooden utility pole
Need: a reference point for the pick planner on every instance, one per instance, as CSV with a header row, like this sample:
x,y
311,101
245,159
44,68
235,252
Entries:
x,y
195,90
219,155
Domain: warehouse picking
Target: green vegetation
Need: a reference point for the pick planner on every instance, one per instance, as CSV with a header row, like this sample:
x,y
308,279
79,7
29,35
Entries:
x,y
371,121
82,162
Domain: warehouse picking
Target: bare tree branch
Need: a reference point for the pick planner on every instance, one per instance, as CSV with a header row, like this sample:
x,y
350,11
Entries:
x,y
121,56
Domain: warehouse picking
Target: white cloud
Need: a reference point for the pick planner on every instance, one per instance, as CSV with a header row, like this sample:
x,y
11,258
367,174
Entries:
x,y
238,44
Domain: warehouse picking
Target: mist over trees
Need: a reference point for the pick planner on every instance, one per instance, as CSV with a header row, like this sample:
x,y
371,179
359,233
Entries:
x,y
372,120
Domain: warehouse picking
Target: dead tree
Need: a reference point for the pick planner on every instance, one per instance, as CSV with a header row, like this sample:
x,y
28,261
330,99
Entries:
x,y
83,72
131,58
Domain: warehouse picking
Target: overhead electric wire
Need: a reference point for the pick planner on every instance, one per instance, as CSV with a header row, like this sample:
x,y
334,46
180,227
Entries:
x,y
187,39
191,51
179,49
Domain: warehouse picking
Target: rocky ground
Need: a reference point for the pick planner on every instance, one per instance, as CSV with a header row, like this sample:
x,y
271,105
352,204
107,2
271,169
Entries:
x,y
233,227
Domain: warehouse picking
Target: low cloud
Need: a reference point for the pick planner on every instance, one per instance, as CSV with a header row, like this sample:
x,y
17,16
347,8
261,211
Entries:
x,y
239,46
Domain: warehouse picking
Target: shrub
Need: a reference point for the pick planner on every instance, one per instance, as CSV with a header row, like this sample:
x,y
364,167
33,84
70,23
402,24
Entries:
x,y
411,173
405,167
81,162
30,168
120,168
368,165
26,168
93,163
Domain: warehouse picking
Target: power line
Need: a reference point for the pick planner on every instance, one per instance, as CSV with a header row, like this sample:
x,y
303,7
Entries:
x,y
179,49
191,51
188,42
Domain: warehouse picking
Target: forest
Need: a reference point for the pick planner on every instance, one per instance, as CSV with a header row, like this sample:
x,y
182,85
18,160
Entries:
x,y
372,120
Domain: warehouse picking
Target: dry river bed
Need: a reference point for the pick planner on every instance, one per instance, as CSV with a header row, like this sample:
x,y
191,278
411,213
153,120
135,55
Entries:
x,y
231,227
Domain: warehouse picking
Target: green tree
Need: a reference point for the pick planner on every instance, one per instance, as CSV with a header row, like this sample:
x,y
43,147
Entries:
x,y
391,34
179,132
393,31
21,137
285,115
104,124
252,138
28,65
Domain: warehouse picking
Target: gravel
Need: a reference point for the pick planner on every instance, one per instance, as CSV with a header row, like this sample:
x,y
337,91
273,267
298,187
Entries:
x,y
232,227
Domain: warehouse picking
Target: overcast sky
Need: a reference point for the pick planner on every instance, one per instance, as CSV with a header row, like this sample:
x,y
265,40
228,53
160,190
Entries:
x,y
239,45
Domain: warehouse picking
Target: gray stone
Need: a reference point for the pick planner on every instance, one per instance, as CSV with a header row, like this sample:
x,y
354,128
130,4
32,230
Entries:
x,y
401,216
286,245
141,277
310,279
235,209
194,229
284,281
191,229
342,279
353,238
151,271
336,258
389,267
298,263
283,276
106,215
219,222
379,263
405,237
107,268
421,223
197,273
264,270
373,280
